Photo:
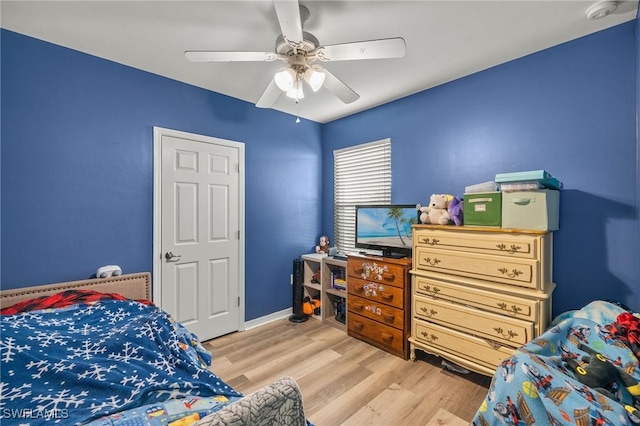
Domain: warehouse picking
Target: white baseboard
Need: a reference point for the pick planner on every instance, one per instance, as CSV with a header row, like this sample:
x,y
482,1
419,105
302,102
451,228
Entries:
x,y
285,313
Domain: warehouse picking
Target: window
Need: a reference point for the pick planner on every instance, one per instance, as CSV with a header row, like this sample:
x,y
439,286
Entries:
x,y
361,175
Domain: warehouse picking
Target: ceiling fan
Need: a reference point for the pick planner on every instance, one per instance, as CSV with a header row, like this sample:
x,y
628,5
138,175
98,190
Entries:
x,y
301,51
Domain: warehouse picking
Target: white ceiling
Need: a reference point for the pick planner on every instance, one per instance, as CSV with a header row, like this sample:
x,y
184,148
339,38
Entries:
x,y
445,40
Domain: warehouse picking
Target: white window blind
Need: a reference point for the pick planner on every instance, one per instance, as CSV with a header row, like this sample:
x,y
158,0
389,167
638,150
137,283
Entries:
x,y
362,175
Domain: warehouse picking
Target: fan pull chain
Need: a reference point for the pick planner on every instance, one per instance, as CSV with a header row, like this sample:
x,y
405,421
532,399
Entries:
x,y
297,110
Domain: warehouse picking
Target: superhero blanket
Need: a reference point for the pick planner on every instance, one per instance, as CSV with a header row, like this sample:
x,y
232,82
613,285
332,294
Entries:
x,y
115,358
581,371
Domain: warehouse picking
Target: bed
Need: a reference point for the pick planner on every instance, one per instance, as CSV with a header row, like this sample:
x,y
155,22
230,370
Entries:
x,y
98,352
583,370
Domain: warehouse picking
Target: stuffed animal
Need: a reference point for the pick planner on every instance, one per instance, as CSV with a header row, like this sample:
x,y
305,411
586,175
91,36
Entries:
x,y
108,271
455,210
596,372
311,306
436,213
323,247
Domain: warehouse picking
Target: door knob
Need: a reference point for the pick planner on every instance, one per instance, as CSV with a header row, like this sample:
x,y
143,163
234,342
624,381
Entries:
x,y
170,256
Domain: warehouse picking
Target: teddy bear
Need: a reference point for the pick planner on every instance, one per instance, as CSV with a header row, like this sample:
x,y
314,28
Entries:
x,y
436,213
455,210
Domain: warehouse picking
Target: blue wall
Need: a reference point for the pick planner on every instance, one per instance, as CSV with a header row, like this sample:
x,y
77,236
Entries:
x,y
77,170
1,33
570,110
638,131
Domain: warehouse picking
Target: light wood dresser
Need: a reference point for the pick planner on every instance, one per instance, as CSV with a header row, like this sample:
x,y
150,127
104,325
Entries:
x,y
379,296
479,293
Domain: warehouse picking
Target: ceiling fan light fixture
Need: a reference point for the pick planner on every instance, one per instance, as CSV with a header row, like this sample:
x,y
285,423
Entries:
x,y
314,77
299,50
296,91
285,79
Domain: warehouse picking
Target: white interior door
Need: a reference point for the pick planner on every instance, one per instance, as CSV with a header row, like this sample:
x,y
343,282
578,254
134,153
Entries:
x,y
199,224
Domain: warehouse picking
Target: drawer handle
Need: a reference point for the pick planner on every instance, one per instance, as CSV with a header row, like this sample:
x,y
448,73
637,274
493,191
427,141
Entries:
x,y
523,201
358,325
435,290
514,248
494,345
432,338
387,297
432,242
433,262
514,272
358,288
358,307
514,309
508,335
428,312
389,318
389,277
358,271
387,338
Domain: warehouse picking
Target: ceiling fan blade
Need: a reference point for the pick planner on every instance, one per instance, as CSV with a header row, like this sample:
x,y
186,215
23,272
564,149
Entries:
x,y
338,88
269,96
371,49
217,56
288,12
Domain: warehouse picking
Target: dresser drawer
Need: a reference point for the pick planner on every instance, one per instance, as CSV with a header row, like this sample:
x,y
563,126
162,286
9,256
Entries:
x,y
377,271
382,335
376,311
498,244
519,272
510,331
474,349
493,301
376,292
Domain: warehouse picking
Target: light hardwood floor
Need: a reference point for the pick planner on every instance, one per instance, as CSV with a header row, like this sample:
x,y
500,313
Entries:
x,y
344,380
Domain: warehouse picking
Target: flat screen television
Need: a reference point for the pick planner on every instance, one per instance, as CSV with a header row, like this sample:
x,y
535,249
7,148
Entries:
x,y
386,228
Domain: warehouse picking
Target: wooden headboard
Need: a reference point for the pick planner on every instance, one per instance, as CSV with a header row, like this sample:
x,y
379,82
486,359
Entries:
x,y
131,286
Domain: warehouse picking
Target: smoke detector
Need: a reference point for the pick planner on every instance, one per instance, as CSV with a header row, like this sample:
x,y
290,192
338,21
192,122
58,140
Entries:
x,y
601,9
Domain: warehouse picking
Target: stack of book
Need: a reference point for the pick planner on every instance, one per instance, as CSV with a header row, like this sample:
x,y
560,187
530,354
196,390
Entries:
x,y
338,280
339,309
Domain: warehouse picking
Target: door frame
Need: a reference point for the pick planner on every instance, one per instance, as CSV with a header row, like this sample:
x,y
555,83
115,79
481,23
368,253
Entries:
x,y
158,133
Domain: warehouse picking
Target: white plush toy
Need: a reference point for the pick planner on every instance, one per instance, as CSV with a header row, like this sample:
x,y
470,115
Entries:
x,y
436,213
108,271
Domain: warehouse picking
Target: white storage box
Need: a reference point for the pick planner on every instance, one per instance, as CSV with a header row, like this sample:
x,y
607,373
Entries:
x,y
490,186
520,186
535,210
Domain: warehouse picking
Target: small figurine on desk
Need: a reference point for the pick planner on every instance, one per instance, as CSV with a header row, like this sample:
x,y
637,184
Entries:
x,y
324,245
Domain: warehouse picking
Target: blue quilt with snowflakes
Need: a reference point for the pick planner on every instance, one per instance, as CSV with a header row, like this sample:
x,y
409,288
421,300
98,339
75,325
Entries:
x,y
579,372
77,364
